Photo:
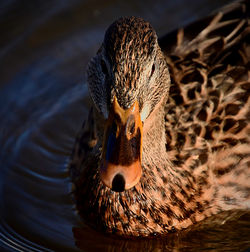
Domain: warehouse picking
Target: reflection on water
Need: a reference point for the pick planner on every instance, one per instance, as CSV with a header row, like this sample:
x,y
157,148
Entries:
x,y
44,48
230,235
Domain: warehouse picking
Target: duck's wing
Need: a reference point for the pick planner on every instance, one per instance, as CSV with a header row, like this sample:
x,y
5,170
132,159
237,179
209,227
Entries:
x,y
217,45
213,44
208,112
209,63
206,40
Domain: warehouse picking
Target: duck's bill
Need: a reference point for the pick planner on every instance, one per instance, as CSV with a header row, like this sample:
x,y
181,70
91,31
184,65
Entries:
x,y
120,167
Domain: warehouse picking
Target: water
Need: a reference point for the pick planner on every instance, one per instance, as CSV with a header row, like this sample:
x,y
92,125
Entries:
x,y
44,49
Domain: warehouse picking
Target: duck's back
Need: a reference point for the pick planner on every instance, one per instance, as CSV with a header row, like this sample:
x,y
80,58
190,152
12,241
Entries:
x,y
208,112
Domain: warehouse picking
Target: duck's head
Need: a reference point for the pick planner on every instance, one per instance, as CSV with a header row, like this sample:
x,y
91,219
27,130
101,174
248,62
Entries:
x,y
127,78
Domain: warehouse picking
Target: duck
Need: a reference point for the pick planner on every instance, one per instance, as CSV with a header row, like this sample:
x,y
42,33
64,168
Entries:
x,y
166,143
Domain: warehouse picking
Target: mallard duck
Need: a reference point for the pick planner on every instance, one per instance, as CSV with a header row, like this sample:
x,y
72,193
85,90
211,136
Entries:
x,y
167,142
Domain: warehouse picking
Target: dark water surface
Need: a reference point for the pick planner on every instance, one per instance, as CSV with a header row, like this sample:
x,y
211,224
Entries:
x,y
44,49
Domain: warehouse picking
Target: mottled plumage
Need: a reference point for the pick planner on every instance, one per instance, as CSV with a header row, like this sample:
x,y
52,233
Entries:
x,y
193,93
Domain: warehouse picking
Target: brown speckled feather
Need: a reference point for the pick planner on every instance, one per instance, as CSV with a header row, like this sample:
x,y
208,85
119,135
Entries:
x,y
204,168
209,98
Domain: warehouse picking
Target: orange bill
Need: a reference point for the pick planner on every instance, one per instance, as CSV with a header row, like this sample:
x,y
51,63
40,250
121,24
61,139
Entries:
x,y
122,148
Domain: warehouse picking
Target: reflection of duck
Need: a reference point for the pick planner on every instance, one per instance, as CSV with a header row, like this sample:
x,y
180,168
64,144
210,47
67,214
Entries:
x,y
231,227
157,155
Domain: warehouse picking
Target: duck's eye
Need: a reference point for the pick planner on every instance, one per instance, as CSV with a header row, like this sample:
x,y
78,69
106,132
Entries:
x,y
153,70
132,128
104,67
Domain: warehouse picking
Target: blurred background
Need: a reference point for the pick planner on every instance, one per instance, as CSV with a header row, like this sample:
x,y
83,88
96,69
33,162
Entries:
x,y
44,49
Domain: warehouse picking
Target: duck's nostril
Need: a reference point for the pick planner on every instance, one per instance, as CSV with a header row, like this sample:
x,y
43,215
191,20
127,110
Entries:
x,y
118,183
